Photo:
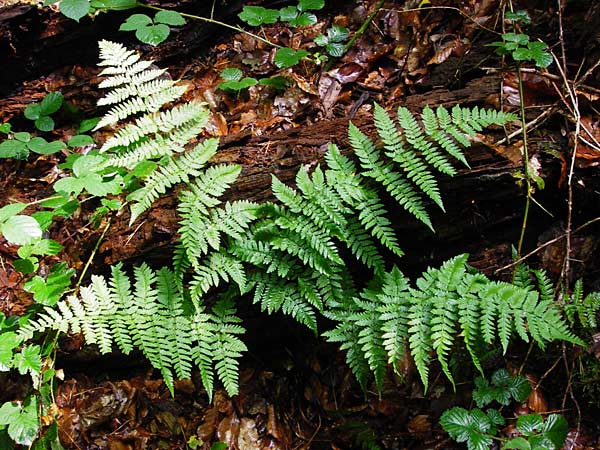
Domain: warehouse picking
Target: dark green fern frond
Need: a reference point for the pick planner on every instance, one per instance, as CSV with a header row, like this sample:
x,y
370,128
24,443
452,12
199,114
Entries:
x,y
586,308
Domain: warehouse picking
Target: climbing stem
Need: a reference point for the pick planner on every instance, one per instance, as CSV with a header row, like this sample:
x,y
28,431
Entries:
x,y
215,22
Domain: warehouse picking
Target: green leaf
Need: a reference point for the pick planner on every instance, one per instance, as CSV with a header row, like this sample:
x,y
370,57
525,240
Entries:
x,y
288,57
518,16
44,218
5,128
96,185
519,443
80,140
115,5
51,103
237,86
41,146
335,49
495,417
21,230
530,423
539,53
232,74
517,38
144,168
22,136
33,111
289,13
11,148
337,33
88,124
88,164
113,204
49,291
26,265
306,5
28,360
219,446
75,9
278,82
467,426
8,342
169,18
556,429
12,209
46,247
154,34
44,123
69,185
257,15
135,21
23,424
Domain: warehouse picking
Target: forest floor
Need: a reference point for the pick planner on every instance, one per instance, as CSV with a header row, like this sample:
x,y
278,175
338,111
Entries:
x,y
296,392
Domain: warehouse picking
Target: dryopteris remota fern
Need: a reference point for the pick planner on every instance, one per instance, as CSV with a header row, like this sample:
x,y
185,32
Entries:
x,y
419,150
138,90
445,304
153,315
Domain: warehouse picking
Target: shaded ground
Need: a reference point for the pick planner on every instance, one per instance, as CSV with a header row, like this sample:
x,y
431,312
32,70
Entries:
x,y
297,392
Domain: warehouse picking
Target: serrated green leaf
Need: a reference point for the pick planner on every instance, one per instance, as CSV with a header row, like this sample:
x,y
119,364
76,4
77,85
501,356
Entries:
x,y
154,34
277,82
44,218
540,54
337,33
288,13
232,74
495,417
135,21
467,426
80,140
335,49
46,247
113,204
306,5
8,342
41,146
75,9
44,123
518,16
321,40
12,209
556,429
530,423
24,425
517,38
9,413
26,265
237,86
33,111
305,19
169,18
288,57
144,168
257,15
48,292
51,103
28,360
21,230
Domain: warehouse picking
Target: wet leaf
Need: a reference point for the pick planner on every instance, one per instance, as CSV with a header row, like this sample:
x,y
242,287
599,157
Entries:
x,y
75,9
44,123
153,35
51,103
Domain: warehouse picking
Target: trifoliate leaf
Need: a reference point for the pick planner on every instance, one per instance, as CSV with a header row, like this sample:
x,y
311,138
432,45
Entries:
x,y
75,9
135,21
80,140
51,103
44,123
169,18
21,230
467,426
530,423
517,38
154,34
288,57
306,5
257,15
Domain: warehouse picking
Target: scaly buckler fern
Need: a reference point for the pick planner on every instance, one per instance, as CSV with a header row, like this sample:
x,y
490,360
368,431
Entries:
x,y
138,90
445,303
153,315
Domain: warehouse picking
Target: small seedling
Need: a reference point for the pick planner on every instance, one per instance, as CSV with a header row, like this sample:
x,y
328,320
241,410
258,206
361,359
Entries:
x,y
334,40
153,31
521,48
40,112
234,80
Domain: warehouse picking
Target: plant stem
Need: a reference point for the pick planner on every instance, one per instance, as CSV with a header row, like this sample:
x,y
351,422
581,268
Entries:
x,y
94,251
526,165
363,27
215,22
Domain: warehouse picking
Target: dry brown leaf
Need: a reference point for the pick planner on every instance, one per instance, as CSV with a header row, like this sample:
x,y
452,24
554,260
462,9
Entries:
x,y
419,424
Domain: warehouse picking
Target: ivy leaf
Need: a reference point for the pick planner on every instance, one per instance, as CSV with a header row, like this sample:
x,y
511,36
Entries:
x,y
288,57
51,103
135,21
467,426
154,34
257,15
29,360
75,9
169,18
8,342
44,123
21,230
41,146
80,140
10,210
306,5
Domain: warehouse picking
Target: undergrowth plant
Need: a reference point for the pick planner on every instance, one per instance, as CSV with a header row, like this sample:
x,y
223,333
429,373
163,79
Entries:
x,y
301,254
